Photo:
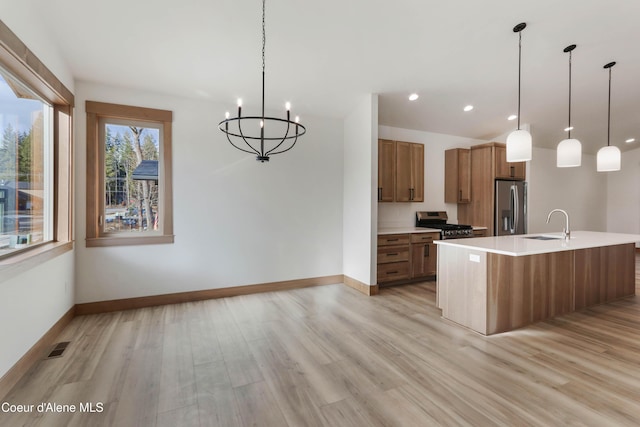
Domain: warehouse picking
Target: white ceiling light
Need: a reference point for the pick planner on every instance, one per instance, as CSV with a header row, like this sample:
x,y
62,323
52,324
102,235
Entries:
x,y
569,151
608,158
468,108
630,140
512,117
519,141
413,96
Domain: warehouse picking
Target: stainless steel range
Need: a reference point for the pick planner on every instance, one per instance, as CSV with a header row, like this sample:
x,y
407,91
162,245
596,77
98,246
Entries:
x,y
438,220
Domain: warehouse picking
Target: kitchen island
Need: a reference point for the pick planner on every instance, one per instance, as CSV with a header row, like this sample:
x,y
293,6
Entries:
x,y
497,284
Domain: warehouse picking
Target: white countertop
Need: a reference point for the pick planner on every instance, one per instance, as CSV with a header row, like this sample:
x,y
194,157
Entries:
x,y
405,230
519,245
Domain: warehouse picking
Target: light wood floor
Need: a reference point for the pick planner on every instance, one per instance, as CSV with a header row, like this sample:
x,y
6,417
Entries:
x,y
329,356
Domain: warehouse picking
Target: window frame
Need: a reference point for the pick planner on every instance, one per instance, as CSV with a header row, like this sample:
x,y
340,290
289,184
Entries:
x,y
18,60
96,113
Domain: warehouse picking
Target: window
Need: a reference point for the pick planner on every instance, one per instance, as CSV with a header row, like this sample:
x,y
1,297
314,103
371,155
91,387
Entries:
x,y
129,199
35,157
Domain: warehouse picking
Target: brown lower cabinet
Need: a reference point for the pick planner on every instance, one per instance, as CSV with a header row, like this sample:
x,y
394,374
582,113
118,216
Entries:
x,y
406,257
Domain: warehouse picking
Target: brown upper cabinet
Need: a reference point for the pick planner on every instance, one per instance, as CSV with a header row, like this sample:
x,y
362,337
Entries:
x,y
488,163
401,165
506,170
386,170
457,175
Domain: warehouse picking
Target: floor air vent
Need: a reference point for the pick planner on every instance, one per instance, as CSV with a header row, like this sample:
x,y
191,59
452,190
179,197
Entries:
x,y
58,350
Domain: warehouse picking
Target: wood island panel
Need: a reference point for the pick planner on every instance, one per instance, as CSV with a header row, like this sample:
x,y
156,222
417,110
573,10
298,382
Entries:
x,y
492,293
463,298
527,289
604,274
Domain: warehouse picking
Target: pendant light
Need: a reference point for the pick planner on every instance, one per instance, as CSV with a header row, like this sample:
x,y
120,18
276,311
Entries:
x,y
569,152
608,159
249,139
519,141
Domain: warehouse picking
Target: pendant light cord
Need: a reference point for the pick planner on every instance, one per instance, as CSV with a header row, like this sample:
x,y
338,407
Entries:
x,y
519,72
264,41
569,95
609,111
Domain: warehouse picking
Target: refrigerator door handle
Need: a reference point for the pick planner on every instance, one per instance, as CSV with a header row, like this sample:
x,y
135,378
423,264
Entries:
x,y
516,209
512,203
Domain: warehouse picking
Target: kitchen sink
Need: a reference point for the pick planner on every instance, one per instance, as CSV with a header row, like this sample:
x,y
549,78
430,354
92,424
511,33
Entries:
x,y
544,237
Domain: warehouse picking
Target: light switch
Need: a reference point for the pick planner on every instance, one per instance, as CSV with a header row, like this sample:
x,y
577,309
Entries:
x,y
474,258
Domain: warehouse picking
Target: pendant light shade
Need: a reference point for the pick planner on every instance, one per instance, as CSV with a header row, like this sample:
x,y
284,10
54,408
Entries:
x,y
569,151
608,158
519,141
519,146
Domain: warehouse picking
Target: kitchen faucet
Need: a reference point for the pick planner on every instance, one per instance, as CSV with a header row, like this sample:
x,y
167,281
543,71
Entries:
x,y
566,233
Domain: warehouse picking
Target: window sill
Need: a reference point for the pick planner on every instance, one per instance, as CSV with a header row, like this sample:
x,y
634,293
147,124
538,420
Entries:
x,y
99,242
25,260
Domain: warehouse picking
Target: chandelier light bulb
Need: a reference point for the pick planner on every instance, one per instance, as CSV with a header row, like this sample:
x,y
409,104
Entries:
x,y
297,119
239,102
261,123
226,115
288,106
512,117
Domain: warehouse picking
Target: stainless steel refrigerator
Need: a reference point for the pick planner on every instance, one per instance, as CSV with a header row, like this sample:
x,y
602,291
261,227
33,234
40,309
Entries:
x,y
511,208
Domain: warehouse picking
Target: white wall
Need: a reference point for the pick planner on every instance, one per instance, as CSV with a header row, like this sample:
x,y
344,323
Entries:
x,y
31,303
360,197
32,300
236,221
581,191
623,195
435,144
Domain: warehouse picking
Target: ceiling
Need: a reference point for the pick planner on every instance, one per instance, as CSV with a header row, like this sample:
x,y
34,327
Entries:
x,y
324,56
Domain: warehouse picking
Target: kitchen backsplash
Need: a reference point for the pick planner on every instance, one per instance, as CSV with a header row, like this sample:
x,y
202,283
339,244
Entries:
x,y
404,214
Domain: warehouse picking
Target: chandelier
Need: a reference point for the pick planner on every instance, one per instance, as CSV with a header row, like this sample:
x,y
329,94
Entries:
x,y
276,135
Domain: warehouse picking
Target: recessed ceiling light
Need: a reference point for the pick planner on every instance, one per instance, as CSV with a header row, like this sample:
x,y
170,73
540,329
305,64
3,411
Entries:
x,y
512,117
630,140
413,97
468,108
568,129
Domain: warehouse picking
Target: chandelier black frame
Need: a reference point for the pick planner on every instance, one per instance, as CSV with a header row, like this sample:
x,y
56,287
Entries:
x,y
263,151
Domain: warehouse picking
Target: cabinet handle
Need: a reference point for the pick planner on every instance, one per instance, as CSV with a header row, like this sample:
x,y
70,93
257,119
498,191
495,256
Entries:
x,y
512,172
392,240
426,252
392,272
411,194
379,193
460,195
393,254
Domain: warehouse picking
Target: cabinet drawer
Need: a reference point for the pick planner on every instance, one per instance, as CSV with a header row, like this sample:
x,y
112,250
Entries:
x,y
388,254
393,271
393,239
424,237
